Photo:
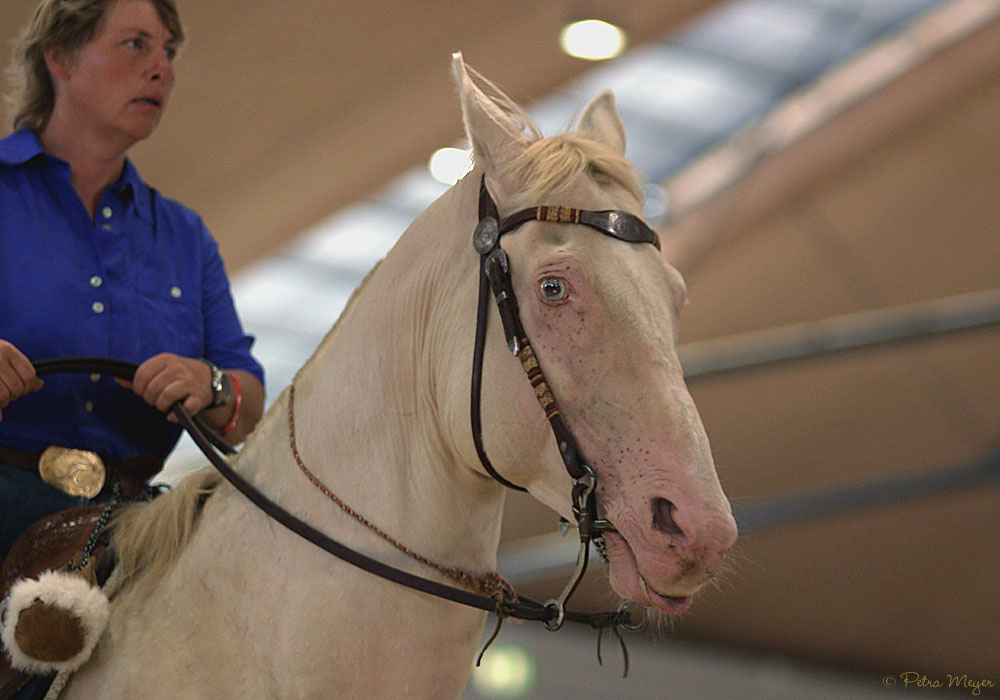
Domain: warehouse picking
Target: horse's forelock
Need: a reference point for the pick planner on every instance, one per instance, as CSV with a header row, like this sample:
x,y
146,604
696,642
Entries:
x,y
549,163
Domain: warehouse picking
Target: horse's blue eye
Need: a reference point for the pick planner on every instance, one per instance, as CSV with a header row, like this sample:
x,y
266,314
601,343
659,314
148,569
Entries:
x,y
553,289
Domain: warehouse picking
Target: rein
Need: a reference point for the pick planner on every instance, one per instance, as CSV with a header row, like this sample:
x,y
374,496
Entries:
x,y
212,446
492,584
495,277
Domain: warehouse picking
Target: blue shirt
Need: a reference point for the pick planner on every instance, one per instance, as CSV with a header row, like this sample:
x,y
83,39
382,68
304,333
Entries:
x,y
143,277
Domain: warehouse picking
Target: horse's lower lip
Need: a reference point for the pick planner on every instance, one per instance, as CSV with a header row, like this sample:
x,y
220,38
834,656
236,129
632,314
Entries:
x,y
639,589
673,605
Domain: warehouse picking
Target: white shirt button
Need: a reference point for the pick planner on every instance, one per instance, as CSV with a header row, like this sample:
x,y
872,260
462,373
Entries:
x,y
106,212
96,281
175,292
95,378
97,307
88,406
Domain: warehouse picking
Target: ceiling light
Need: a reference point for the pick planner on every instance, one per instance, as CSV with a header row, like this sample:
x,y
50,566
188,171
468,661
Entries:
x,y
592,39
448,165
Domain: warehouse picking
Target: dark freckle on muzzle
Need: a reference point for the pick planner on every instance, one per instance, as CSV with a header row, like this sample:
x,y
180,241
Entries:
x,y
663,520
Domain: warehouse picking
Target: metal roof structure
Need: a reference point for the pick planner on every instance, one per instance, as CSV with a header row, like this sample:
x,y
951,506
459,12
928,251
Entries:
x,y
679,97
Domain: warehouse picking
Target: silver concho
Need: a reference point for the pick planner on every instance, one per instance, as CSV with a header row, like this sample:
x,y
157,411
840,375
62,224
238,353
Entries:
x,y
486,235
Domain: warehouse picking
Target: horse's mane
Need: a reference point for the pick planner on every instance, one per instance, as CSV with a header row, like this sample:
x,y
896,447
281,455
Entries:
x,y
147,537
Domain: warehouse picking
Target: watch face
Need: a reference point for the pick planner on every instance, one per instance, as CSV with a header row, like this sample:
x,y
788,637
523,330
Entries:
x,y
223,391
222,386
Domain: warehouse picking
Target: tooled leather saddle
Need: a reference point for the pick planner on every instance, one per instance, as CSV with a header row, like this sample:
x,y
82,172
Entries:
x,y
58,540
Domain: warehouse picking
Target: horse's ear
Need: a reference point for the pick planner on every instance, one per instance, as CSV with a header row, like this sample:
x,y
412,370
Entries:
x,y
495,138
600,119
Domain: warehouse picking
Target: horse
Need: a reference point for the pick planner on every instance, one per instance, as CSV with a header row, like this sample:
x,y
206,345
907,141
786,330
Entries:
x,y
217,600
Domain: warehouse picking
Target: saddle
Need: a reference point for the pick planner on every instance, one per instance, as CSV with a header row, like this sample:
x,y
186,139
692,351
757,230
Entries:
x,y
51,544
52,589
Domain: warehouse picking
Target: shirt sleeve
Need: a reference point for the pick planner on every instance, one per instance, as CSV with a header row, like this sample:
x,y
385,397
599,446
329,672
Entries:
x,y
226,343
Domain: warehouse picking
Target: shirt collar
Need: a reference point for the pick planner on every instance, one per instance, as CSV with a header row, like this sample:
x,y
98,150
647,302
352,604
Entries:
x,y
141,193
23,145
20,147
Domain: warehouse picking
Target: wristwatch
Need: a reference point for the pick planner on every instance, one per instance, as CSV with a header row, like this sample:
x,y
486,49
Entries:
x,y
222,386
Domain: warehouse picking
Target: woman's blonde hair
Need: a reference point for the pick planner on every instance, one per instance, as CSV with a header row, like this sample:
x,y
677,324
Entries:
x,y
67,25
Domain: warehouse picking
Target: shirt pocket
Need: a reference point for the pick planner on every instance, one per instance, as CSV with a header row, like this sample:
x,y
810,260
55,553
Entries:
x,y
171,318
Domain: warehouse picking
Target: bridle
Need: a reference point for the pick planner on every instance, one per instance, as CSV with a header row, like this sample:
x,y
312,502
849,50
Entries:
x,y
495,276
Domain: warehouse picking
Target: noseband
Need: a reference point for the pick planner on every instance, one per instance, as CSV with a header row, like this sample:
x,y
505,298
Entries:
x,y
494,275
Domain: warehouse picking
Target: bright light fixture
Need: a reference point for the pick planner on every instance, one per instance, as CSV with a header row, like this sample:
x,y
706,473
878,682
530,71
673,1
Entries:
x,y
592,39
448,165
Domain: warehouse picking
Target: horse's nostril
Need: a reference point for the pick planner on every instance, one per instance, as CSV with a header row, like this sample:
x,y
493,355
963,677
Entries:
x,y
663,520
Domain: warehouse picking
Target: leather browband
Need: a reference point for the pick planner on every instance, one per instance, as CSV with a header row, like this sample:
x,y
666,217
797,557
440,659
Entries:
x,y
611,222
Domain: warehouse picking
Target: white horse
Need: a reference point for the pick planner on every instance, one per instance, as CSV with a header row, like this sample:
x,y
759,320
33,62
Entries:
x,y
222,602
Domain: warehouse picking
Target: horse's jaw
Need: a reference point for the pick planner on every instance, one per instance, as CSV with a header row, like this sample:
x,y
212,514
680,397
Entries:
x,y
657,560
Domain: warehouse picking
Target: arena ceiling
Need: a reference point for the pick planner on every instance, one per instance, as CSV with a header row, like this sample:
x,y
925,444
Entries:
x,y
809,161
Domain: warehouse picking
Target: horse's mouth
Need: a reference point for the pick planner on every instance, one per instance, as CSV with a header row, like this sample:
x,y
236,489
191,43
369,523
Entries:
x,y
674,605
628,580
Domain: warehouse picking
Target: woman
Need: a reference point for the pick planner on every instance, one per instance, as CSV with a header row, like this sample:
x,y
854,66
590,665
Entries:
x,y
95,262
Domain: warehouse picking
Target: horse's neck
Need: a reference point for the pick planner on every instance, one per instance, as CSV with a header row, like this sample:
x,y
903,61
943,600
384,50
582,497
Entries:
x,y
375,409
368,408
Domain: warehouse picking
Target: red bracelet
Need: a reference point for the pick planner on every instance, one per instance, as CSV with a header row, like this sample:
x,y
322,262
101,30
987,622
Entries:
x,y
239,399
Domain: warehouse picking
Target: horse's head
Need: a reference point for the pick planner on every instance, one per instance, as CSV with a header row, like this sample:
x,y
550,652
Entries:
x,y
601,314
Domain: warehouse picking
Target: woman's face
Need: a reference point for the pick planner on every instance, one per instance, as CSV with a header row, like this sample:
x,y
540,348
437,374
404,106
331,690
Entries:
x,y
118,84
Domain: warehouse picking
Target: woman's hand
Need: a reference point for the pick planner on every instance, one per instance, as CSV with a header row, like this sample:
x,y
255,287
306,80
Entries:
x,y
164,379
17,375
